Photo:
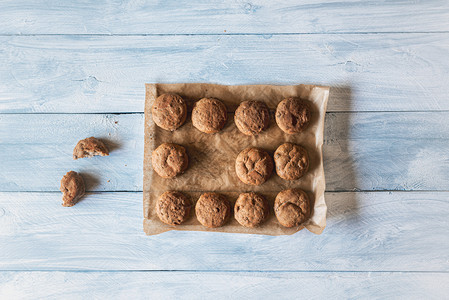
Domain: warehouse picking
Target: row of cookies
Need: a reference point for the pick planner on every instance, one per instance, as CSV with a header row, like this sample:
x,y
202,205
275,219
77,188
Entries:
x,y
253,166
209,115
291,208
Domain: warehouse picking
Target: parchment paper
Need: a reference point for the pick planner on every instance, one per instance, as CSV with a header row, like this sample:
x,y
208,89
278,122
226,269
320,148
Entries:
x,y
212,156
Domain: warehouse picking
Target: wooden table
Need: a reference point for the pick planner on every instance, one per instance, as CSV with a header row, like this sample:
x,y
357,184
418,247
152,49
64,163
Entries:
x,y
70,70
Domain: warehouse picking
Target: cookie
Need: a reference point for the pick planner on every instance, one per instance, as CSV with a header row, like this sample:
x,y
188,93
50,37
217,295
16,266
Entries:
x,y
72,188
169,160
212,210
89,147
292,207
209,115
173,208
253,166
251,209
169,111
293,115
252,117
291,161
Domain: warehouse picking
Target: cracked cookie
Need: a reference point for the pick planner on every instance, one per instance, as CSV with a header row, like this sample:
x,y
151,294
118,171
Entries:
x,y
173,208
209,115
212,210
169,160
252,117
169,111
251,209
293,115
291,161
253,166
292,207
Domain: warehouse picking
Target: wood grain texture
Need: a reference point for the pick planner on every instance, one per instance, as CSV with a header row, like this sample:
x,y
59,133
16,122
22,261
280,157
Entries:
x,y
88,74
229,285
362,151
205,17
40,151
80,57
376,231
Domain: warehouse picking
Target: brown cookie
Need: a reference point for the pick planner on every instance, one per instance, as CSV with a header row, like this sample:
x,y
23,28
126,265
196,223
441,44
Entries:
x,y
293,115
169,111
251,209
209,115
291,161
173,208
252,117
72,188
89,147
169,160
253,166
212,210
292,207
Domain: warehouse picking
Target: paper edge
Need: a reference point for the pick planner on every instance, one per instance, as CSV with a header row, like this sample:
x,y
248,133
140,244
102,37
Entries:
x,y
312,227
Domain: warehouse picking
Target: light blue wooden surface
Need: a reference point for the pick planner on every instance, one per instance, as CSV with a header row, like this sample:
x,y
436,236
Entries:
x,y
366,231
215,16
87,74
363,151
69,70
224,285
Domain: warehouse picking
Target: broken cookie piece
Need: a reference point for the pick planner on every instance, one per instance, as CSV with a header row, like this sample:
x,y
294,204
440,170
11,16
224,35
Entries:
x,y
89,147
72,187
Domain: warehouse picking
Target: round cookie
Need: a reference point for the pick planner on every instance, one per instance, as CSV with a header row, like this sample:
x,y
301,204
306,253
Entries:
x,y
173,208
292,207
251,209
253,166
293,115
212,210
291,161
252,117
209,115
169,160
169,111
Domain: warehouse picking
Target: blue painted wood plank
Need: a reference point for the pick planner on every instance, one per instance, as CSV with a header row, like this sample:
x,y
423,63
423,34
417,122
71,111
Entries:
x,y
375,231
362,151
40,151
229,285
205,17
374,72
